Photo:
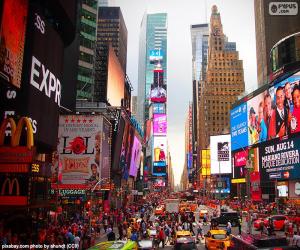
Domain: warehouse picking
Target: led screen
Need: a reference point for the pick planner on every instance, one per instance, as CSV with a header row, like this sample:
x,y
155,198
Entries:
x,y
135,156
220,154
159,124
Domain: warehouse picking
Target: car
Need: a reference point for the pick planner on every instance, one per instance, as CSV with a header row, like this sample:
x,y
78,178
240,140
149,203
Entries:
x,y
278,221
260,242
217,239
185,243
115,245
182,234
232,217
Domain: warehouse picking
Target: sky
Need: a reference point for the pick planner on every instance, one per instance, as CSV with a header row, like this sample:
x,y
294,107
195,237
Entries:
x,y
238,25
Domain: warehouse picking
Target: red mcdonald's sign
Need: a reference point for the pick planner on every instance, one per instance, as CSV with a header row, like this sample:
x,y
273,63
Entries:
x,y
10,197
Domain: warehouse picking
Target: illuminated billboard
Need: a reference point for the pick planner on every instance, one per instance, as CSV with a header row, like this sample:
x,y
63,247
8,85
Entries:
x,y
12,40
220,154
115,80
80,145
272,113
135,157
158,92
159,183
156,55
159,124
205,162
158,108
160,148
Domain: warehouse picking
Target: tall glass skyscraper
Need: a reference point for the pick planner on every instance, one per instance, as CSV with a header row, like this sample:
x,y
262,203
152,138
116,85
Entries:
x,y
153,35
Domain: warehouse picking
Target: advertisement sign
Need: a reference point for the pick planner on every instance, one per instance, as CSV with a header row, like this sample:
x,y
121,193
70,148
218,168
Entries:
x,y
240,158
280,160
255,188
156,55
294,189
220,154
12,40
158,92
135,157
222,185
117,135
159,168
205,162
105,150
159,149
271,114
126,149
79,149
159,124
158,108
159,183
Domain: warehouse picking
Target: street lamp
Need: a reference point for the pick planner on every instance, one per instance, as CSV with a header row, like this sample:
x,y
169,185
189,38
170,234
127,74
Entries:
x,y
91,204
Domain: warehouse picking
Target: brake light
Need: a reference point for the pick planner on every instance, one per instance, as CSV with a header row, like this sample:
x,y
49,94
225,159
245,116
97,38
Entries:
x,y
277,248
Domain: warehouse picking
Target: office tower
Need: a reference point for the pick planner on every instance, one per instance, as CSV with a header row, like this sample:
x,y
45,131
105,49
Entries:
x,y
87,24
270,28
153,36
133,105
111,31
199,39
223,83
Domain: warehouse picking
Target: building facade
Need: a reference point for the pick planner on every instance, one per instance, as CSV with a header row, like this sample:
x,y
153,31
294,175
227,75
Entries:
x,y
222,84
87,38
153,36
199,39
111,31
269,29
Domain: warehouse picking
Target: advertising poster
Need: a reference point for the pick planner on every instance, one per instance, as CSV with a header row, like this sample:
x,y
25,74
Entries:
x,y
156,55
294,189
240,158
126,150
220,154
79,148
205,162
239,126
159,183
274,113
159,124
159,168
12,40
257,128
135,157
105,150
160,149
117,134
280,160
222,185
255,188
158,108
158,92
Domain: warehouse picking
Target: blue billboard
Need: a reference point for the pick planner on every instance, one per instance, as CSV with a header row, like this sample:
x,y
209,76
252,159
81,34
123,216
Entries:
x,y
239,127
156,55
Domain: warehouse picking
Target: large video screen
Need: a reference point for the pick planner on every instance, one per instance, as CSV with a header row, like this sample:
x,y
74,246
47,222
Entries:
x,y
159,124
273,113
115,80
135,156
12,40
220,154
158,93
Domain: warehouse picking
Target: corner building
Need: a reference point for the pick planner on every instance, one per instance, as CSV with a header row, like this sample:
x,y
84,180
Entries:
x,y
223,83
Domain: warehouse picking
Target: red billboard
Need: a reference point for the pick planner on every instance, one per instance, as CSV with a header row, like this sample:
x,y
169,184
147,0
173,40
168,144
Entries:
x,y
255,186
12,40
240,158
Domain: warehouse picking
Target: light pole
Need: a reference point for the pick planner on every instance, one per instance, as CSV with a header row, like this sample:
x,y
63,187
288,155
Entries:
x,y
91,204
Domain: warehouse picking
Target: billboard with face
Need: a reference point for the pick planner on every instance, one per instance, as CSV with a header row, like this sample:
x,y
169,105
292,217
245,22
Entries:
x,y
79,149
273,113
220,154
159,124
12,40
135,156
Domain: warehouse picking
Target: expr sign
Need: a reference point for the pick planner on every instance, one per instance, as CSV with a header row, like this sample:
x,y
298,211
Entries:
x,y
39,97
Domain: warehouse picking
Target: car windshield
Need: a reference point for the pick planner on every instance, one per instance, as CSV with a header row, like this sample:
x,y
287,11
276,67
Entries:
x,y
185,246
219,236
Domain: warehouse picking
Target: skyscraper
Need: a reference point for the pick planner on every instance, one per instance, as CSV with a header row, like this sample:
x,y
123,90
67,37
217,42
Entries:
x,y
199,39
270,28
223,83
153,35
111,31
85,79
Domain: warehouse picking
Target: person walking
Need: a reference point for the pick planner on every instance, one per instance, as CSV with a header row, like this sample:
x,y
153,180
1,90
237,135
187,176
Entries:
x,y
161,237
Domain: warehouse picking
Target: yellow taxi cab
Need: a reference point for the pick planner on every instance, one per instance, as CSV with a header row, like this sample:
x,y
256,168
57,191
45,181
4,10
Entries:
x,y
217,239
182,234
115,245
